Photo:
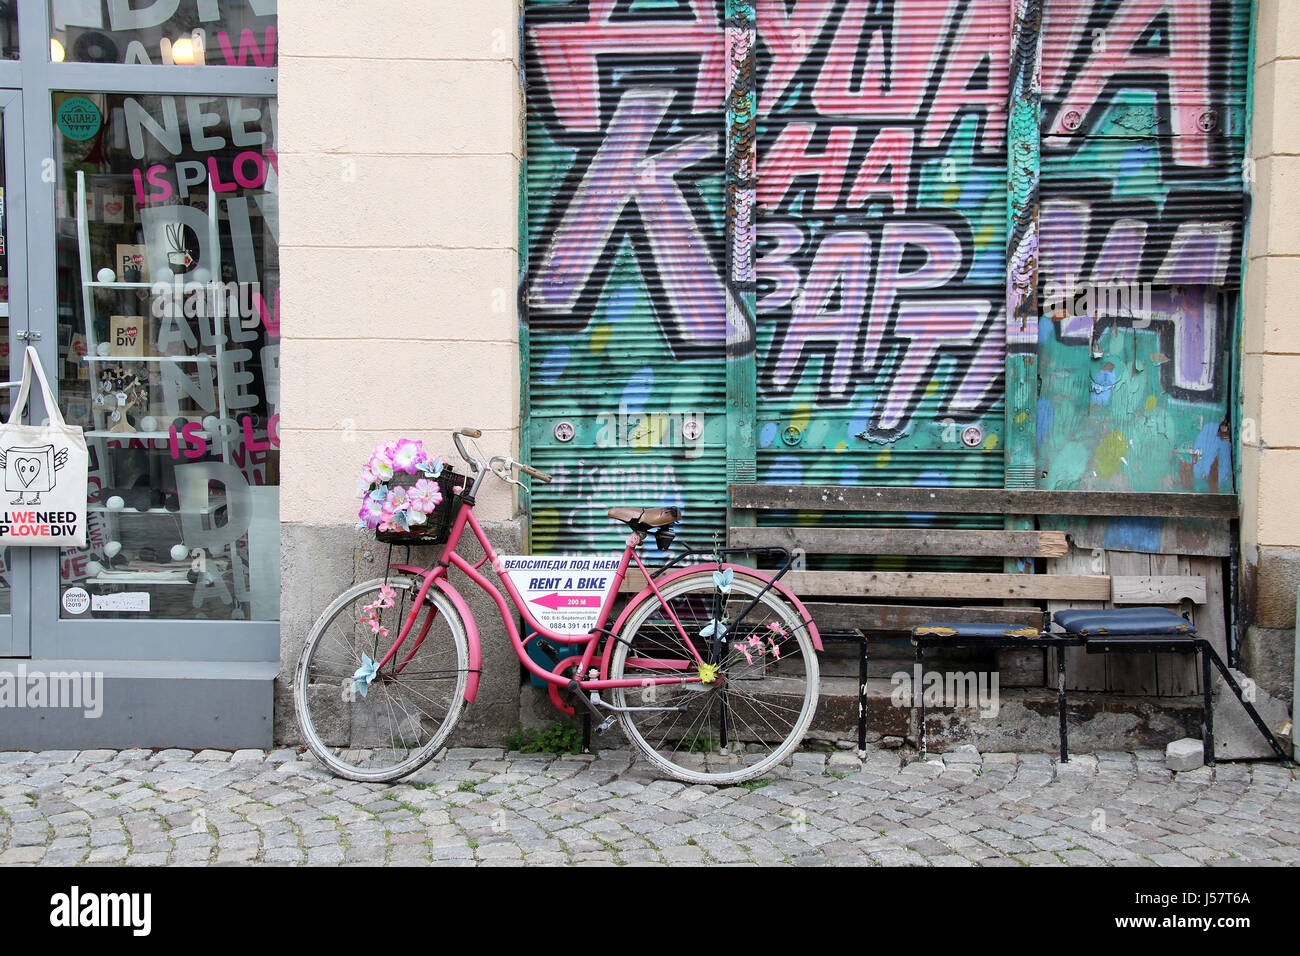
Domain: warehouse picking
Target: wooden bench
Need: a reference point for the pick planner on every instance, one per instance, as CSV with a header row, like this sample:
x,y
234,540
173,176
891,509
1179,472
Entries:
x,y
1028,571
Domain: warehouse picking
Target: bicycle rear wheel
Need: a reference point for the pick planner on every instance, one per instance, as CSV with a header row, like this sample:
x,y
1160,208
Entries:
x,y
742,724
383,727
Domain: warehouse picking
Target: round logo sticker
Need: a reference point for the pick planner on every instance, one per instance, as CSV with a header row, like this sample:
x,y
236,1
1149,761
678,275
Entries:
x,y
76,600
79,118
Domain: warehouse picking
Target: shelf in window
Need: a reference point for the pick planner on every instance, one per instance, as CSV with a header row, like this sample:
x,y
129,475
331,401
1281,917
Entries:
x,y
149,358
210,509
119,285
143,436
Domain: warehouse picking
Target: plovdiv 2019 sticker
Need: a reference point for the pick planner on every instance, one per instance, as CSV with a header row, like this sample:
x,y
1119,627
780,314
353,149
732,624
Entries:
x,y
76,600
79,118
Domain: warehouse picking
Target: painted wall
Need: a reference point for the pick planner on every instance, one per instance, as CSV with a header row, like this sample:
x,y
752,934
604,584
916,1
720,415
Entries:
x,y
400,145
1143,211
881,247
399,238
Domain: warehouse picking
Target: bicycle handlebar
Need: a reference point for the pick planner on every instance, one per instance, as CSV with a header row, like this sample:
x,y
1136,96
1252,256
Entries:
x,y
541,476
491,466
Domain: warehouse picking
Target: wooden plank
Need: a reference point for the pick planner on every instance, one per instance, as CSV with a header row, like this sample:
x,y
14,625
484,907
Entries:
x,y
904,617
905,541
1131,673
970,586
1176,674
1156,589
1023,501
1083,671
1199,536
1210,621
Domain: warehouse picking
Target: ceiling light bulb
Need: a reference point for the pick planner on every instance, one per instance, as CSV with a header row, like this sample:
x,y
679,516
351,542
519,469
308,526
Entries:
x,y
57,52
183,52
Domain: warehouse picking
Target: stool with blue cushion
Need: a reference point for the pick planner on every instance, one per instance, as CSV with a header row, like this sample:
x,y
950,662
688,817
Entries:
x,y
1159,630
995,637
1108,630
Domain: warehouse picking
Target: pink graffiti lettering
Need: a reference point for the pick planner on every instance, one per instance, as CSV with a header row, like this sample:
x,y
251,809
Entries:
x,y
843,264
943,258
1183,71
886,170
569,52
623,172
928,325
789,158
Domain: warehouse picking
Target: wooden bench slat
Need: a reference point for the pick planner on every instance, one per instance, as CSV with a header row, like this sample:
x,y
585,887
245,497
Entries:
x,y
904,617
1024,501
1156,589
909,585
906,541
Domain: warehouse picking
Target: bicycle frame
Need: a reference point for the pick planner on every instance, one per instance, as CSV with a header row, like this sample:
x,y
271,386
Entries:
x,y
437,577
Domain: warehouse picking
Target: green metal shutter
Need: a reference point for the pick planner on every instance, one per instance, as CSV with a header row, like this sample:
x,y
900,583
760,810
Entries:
x,y
882,231
1143,205
624,294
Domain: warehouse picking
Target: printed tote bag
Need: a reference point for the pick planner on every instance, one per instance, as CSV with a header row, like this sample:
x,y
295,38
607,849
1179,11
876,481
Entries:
x,y
43,503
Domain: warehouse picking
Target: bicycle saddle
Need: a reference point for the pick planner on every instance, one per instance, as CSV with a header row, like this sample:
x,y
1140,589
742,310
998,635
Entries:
x,y
639,519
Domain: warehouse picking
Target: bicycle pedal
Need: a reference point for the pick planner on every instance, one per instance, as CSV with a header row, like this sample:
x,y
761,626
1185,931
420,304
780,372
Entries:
x,y
605,724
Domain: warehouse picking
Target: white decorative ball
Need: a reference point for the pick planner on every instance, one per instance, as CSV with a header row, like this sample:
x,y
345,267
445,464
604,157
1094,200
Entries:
x,y
115,503
113,548
106,275
148,424
210,423
179,552
94,569
102,348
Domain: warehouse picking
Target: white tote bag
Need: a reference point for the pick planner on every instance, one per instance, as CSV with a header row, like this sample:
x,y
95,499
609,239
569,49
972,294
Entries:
x,y
43,503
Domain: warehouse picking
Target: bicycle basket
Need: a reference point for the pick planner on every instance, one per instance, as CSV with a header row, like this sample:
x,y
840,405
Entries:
x,y
438,525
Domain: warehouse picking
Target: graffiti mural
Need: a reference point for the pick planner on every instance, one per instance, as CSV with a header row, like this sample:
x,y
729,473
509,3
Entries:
x,y
879,219
1143,216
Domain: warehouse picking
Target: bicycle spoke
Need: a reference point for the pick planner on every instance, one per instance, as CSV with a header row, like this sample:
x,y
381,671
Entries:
x,y
765,689
385,727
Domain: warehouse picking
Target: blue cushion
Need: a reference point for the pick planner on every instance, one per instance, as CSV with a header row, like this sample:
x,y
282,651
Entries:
x,y
974,630
1123,621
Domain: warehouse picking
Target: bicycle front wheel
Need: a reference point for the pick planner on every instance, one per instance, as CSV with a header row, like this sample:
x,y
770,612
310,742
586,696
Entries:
x,y
372,723
755,710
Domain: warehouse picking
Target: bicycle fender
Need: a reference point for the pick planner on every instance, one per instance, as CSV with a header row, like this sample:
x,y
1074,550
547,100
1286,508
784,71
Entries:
x,y
740,571
471,636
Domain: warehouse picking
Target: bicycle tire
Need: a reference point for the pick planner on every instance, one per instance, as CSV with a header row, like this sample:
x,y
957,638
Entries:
x,y
337,726
691,757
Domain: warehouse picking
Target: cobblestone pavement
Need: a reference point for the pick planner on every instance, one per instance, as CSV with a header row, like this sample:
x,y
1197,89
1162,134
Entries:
x,y
491,807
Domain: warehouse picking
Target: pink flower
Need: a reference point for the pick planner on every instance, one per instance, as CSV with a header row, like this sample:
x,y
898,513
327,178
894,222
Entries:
x,y
371,512
396,500
407,455
424,496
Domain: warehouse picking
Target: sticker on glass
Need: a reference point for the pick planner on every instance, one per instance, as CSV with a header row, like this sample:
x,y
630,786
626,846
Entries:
x,y
76,600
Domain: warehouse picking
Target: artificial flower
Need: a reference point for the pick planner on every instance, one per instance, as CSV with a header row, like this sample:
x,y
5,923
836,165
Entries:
x,y
424,496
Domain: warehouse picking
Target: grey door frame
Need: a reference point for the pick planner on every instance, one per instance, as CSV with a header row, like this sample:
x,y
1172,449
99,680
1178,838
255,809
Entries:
x,y
15,627
37,79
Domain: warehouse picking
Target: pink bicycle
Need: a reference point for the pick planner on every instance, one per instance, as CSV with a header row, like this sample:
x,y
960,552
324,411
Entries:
x,y
711,668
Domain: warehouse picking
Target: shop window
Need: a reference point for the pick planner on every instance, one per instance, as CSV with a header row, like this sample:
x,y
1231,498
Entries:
x,y
168,281
172,32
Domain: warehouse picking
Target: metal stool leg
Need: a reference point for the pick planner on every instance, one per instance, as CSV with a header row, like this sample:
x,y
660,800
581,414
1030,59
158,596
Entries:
x,y
1060,704
919,693
1207,688
862,695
